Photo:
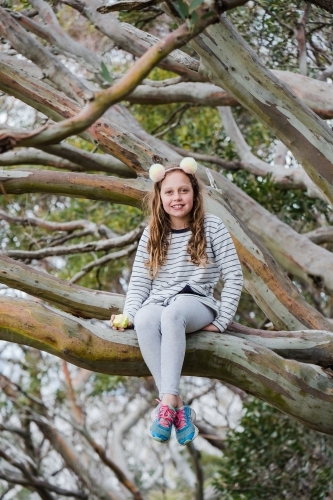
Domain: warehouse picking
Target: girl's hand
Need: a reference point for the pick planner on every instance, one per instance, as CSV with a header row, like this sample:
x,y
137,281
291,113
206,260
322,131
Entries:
x,y
211,328
130,325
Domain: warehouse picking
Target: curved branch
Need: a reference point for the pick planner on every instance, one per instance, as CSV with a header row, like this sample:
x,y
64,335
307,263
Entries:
x,y
91,246
55,35
33,50
104,260
315,94
291,178
231,63
305,392
104,99
74,299
34,157
271,289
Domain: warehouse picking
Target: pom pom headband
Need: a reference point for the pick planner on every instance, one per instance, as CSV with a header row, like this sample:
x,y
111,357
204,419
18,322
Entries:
x,y
157,171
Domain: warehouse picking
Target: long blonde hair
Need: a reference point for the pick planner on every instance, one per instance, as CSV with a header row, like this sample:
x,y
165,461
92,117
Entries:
x,y
160,227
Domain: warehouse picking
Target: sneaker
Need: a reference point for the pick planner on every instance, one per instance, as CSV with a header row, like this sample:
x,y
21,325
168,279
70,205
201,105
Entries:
x,y
164,417
186,431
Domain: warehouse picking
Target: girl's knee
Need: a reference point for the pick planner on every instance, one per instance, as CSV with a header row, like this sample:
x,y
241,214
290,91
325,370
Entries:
x,y
173,314
146,320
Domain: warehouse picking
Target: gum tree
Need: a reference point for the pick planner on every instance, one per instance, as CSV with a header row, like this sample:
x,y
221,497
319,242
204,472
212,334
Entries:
x,y
86,144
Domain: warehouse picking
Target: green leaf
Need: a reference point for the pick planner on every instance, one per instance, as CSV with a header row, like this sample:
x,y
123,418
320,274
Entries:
x,y
105,74
181,8
194,18
195,4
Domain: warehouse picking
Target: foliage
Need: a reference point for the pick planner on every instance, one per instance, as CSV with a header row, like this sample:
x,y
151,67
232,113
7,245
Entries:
x,y
270,456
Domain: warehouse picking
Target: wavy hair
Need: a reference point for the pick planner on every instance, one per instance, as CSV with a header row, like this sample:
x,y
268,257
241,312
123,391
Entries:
x,y
160,226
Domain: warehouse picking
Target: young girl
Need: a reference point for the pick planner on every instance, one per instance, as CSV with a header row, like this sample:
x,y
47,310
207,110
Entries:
x,y
179,260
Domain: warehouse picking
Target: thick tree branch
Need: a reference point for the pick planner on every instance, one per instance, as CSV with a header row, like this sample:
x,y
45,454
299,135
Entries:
x,y
66,157
283,304
35,157
135,41
315,94
231,63
303,391
74,299
104,99
293,251
43,57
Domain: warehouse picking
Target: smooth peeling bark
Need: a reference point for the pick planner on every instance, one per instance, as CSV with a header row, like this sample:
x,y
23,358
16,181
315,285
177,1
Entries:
x,y
233,65
94,187
76,300
305,392
307,346
295,252
112,139
266,282
269,286
317,95
104,99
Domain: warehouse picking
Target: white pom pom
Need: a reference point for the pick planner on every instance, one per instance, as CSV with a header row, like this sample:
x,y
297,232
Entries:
x,y
156,172
189,165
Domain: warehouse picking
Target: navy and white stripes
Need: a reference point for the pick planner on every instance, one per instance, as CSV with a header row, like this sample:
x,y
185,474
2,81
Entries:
x,y
179,272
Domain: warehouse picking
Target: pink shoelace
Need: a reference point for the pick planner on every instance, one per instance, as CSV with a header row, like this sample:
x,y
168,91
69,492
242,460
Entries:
x,y
180,420
165,416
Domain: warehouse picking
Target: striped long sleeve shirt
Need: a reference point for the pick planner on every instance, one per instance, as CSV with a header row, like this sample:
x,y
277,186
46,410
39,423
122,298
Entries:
x,y
180,275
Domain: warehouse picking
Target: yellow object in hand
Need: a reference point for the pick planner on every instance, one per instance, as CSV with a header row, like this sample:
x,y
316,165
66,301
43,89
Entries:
x,y
120,321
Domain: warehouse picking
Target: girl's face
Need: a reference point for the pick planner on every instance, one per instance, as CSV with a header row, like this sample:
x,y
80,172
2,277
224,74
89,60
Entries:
x,y
177,198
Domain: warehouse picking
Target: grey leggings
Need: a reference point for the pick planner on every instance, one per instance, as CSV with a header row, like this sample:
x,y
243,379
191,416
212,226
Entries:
x,y
161,335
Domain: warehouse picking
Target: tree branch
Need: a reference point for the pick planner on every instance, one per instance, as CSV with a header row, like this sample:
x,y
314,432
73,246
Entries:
x,y
104,99
283,304
216,160
55,35
303,391
43,57
74,299
293,177
232,63
135,41
104,260
39,483
92,246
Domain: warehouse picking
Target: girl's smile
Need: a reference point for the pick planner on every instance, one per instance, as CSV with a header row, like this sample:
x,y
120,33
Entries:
x,y
177,198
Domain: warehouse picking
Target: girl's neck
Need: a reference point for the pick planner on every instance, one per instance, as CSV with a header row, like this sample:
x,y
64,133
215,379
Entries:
x,y
179,223
185,225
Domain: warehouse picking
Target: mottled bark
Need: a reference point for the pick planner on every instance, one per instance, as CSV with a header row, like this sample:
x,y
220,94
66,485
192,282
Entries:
x,y
295,252
74,299
231,63
303,391
317,95
269,286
